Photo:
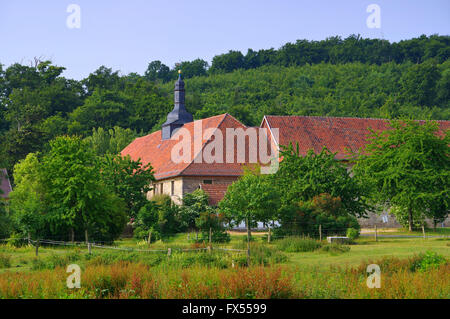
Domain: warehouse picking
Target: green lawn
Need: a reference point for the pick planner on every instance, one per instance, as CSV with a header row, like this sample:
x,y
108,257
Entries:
x,y
367,249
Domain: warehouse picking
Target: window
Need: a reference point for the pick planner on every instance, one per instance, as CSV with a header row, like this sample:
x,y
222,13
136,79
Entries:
x,y
207,181
172,188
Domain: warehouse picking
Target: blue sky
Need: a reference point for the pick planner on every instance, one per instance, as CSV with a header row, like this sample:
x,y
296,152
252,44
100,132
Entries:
x,y
127,35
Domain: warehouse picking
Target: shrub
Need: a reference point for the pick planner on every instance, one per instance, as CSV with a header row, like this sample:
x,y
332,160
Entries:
x,y
5,261
298,244
428,261
352,233
16,240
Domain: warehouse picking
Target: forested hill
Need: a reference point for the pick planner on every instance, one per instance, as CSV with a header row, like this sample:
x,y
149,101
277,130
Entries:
x,y
351,77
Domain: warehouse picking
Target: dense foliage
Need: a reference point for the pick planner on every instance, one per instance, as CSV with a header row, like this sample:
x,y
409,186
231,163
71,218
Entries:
x,y
335,77
408,167
70,193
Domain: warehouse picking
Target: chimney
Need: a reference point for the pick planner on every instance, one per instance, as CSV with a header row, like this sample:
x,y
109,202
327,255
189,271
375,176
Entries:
x,y
179,115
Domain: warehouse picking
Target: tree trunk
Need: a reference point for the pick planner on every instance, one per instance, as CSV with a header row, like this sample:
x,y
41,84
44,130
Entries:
x,y
29,238
86,236
248,241
72,235
410,219
149,241
268,237
210,236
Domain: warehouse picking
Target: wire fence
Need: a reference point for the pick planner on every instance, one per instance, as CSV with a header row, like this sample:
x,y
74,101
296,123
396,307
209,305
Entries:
x,y
320,233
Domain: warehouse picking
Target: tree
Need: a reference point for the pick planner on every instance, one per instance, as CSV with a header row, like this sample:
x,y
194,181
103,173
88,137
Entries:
x,y
147,221
111,141
419,83
129,179
79,199
301,178
198,67
407,166
227,62
28,199
157,71
196,213
194,204
251,199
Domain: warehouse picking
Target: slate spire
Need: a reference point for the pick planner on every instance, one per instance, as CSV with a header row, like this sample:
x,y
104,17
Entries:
x,y
179,115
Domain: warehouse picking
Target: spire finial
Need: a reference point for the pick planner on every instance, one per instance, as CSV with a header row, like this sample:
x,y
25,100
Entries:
x,y
179,73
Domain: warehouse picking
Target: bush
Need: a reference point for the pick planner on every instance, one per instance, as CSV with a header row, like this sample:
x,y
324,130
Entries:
x,y
352,233
16,240
298,244
428,261
261,254
5,261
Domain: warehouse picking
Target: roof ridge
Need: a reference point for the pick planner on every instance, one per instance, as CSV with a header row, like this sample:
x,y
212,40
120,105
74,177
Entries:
x,y
347,117
203,144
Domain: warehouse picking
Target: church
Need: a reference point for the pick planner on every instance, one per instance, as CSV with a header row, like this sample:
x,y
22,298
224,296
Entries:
x,y
176,177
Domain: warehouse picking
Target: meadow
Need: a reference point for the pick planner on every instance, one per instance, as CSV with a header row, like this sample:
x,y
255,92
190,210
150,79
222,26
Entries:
x,y
285,268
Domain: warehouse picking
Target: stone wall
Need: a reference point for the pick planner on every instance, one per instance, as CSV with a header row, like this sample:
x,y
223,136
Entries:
x,y
185,184
386,220
190,184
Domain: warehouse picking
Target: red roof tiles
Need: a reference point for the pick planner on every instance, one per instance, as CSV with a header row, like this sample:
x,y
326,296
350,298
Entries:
x,y
336,133
152,149
311,132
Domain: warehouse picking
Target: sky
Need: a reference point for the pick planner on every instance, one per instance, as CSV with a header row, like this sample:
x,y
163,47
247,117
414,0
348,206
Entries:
x,y
127,35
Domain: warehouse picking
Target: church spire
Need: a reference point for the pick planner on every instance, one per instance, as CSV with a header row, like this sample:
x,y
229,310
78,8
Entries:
x,y
179,115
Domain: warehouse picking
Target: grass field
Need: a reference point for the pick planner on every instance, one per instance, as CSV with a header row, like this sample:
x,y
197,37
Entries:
x,y
314,270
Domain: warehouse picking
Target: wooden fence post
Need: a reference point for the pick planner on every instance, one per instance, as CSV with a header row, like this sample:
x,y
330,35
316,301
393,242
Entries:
x,y
268,236
248,242
37,247
210,239
423,231
376,233
89,248
320,232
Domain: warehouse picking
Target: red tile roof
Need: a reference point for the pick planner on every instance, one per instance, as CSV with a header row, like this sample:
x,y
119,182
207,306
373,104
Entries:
x,y
152,149
311,132
5,185
336,133
215,192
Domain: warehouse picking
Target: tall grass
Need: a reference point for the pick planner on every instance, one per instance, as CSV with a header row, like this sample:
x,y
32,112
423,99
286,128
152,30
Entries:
x,y
125,279
298,244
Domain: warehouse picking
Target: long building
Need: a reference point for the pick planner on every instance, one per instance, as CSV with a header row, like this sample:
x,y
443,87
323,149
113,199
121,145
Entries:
x,y
208,153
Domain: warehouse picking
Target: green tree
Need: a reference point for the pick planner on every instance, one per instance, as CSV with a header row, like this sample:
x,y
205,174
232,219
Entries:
x,y
129,179
407,166
301,178
146,223
28,199
419,83
79,199
111,141
250,199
